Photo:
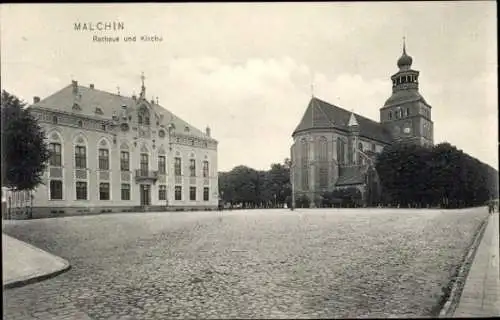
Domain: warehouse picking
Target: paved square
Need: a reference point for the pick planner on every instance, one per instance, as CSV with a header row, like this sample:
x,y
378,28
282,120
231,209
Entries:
x,y
245,264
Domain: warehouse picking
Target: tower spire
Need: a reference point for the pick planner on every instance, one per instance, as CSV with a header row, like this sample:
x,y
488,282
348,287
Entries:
x,y
143,88
404,45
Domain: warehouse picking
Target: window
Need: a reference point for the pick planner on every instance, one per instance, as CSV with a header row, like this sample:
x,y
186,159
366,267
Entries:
x,y
125,191
103,159
407,112
80,157
192,167
54,119
144,164
55,190
81,190
178,193
162,193
373,147
139,119
124,161
146,121
192,193
205,194
205,169
55,154
80,123
340,151
360,157
104,191
103,127
177,166
161,164
390,115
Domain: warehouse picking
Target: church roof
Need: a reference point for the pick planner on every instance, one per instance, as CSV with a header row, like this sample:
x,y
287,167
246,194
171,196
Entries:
x,y
90,100
321,114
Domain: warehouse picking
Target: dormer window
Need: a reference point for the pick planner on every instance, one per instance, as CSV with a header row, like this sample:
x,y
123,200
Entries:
x,y
98,111
186,129
76,107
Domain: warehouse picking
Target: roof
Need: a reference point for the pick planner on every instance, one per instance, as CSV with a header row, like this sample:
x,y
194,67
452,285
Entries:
x,y
351,175
90,99
404,96
321,114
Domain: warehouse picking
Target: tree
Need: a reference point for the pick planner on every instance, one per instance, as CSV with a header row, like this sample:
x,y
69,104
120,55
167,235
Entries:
x,y
24,152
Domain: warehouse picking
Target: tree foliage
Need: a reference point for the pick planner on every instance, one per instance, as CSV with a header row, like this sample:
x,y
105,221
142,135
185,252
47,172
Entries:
x,y
412,175
24,152
254,188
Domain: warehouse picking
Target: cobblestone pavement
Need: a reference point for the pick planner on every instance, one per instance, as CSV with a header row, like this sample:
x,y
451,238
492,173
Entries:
x,y
244,264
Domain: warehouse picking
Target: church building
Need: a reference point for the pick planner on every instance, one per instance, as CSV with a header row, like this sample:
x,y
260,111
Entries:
x,y
334,148
112,153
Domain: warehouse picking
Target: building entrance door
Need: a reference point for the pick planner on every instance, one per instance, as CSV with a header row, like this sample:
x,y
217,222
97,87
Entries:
x,y
145,195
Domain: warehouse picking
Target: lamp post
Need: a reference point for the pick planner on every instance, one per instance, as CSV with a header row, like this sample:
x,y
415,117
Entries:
x,y
292,179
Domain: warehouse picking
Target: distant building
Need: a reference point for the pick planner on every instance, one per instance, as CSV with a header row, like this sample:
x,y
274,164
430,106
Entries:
x,y
333,147
113,153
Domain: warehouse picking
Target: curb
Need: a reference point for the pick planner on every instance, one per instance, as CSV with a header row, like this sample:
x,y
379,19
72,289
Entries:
x,y
38,278
458,281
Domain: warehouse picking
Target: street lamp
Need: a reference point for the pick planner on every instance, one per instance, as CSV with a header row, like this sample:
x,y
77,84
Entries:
x,y
292,178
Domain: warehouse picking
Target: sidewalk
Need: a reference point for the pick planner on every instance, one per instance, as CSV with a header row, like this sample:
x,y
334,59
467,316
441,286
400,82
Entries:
x,y
481,294
24,264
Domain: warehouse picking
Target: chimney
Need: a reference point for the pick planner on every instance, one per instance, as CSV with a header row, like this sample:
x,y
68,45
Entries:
x,y
36,99
75,86
91,86
208,131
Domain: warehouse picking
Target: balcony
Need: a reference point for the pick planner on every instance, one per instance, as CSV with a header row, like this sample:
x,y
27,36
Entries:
x,y
145,175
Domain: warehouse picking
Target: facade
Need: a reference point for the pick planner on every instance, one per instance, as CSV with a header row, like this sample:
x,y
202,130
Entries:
x,y
334,148
115,153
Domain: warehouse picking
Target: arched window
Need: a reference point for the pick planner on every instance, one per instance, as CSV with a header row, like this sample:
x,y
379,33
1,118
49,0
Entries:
x,y
360,159
54,120
103,155
80,123
80,154
305,164
340,151
323,162
55,149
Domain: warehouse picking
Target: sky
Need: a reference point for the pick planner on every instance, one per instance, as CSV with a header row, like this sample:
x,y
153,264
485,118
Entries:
x,y
249,70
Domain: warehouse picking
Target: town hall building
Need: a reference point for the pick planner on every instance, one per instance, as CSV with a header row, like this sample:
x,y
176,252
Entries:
x,y
111,152
334,148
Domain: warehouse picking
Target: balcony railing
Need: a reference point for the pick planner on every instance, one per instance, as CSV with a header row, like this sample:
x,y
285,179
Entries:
x,y
146,174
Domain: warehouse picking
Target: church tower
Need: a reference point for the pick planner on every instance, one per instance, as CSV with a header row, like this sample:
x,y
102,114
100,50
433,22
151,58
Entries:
x,y
406,114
